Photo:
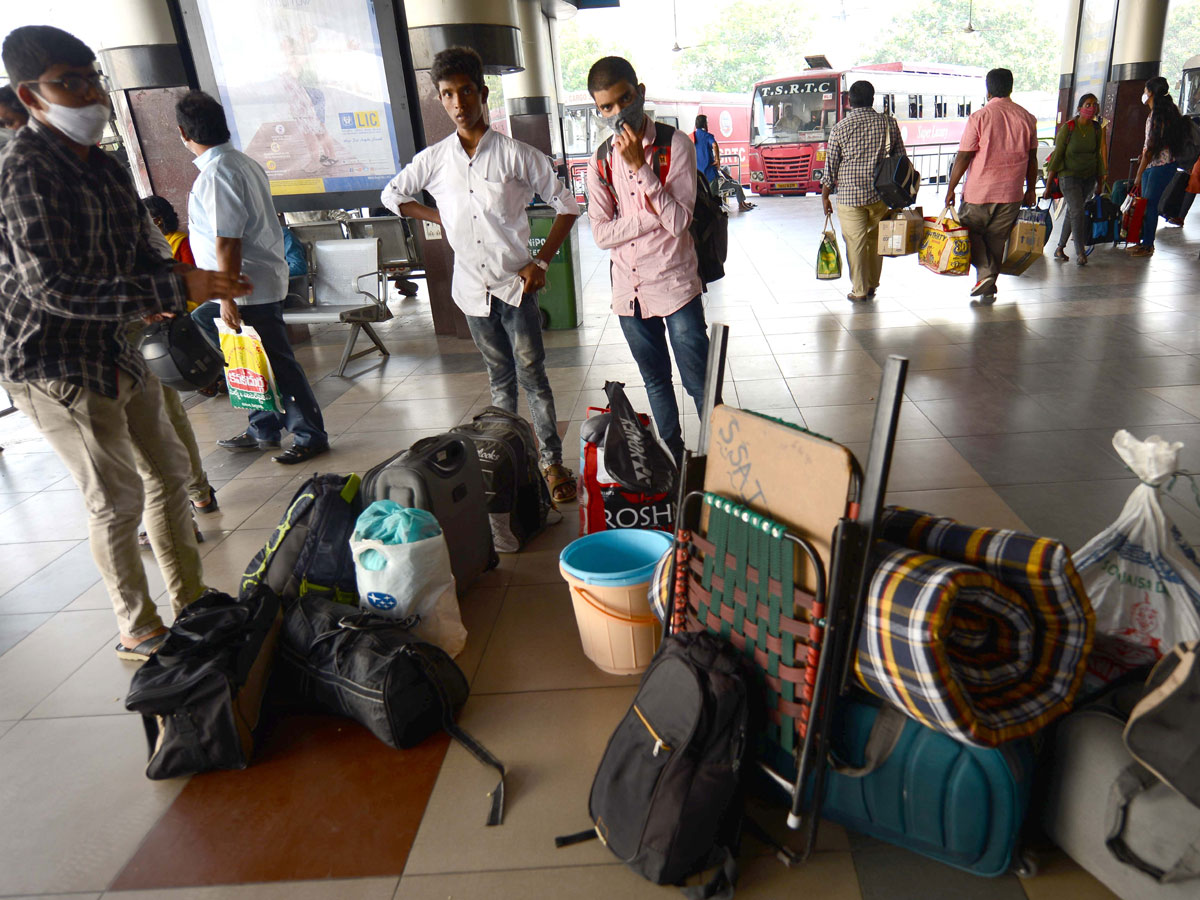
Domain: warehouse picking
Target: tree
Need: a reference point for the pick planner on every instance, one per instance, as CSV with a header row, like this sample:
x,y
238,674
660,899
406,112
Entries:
x,y
577,52
1008,35
752,40
1182,40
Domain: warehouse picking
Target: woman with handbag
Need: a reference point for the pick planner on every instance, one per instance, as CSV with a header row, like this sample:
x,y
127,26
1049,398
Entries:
x,y
1078,164
1166,134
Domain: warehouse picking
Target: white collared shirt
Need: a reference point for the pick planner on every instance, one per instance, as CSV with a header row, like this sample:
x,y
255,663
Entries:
x,y
231,198
482,201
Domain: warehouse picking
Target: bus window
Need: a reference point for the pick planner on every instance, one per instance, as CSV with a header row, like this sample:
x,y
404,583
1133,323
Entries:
x,y
673,121
939,107
1189,93
915,106
889,103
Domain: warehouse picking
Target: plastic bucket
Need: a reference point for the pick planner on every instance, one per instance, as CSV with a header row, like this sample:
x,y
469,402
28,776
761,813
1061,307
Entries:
x,y
609,575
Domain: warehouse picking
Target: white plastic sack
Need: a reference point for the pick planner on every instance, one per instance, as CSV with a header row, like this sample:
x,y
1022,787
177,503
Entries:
x,y
1140,573
414,581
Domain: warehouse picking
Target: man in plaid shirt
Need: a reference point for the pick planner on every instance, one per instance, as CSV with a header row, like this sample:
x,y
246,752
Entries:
x,y
855,148
76,268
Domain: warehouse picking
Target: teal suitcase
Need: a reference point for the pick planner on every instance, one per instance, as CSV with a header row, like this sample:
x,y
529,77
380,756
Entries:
x,y
953,802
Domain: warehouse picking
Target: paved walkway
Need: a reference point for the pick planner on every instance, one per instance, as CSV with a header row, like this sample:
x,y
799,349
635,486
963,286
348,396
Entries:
x,y
1007,421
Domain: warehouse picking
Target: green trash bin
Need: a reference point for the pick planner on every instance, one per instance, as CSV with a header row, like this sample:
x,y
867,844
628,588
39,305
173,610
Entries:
x,y
560,298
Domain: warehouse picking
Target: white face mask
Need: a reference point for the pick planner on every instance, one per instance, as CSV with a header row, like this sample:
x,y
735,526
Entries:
x,y
1145,99
81,124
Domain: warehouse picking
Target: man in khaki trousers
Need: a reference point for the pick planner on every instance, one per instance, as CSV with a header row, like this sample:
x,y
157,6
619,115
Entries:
x,y
77,267
854,150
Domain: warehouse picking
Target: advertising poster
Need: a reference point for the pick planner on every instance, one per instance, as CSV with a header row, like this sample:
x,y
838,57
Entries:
x,y
1094,48
303,86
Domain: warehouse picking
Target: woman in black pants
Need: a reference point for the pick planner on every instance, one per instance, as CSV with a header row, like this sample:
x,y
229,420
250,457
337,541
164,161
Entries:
x,y
1078,161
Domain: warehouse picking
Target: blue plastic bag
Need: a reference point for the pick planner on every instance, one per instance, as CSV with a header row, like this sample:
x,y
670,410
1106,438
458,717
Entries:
x,y
390,523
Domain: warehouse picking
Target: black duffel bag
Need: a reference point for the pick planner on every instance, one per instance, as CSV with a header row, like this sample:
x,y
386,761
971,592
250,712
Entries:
x,y
340,660
896,180
201,694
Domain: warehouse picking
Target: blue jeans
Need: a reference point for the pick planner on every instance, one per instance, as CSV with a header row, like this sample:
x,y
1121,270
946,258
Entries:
x,y
1155,181
510,339
647,342
301,415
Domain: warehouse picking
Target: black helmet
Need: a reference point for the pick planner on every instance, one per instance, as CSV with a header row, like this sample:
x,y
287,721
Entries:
x,y
180,355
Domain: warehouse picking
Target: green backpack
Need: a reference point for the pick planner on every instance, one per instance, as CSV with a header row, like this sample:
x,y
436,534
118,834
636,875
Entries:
x,y
309,553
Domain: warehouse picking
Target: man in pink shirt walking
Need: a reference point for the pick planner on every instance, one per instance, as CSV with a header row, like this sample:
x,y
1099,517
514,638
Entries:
x,y
999,147
644,221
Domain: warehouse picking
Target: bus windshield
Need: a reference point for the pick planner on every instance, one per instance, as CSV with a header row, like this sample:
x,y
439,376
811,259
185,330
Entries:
x,y
1189,93
791,111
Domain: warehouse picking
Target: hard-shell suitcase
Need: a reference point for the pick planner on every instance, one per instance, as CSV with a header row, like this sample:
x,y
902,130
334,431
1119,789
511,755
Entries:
x,y
1171,204
442,474
1120,190
953,802
1112,816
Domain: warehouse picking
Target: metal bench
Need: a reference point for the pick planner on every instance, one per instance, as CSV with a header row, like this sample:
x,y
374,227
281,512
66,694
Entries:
x,y
400,254
337,269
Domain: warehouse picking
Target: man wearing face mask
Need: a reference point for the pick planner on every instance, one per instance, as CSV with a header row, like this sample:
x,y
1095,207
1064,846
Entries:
x,y
644,221
77,266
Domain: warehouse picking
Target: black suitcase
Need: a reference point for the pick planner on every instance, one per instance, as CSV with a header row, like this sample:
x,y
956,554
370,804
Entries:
x,y
442,475
1171,205
518,501
201,694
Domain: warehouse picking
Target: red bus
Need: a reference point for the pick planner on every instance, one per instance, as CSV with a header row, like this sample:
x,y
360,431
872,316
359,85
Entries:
x,y
791,116
728,120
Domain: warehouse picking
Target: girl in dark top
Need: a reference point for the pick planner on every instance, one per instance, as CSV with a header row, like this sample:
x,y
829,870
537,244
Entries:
x,y
1078,161
1166,135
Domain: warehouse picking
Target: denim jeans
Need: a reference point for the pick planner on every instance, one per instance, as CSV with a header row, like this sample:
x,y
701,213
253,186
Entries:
x,y
647,342
301,415
1076,193
510,339
1155,181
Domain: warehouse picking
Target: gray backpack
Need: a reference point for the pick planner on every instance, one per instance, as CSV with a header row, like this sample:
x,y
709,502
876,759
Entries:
x,y
1163,732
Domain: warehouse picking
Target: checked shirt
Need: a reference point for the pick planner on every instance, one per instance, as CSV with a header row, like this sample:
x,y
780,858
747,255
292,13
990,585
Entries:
x,y
854,150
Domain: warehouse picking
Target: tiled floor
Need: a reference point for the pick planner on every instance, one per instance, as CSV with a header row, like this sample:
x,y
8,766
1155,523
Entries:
x,y
1009,416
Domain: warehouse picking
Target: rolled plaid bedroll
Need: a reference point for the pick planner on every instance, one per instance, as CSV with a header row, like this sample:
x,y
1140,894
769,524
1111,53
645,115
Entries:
x,y
981,633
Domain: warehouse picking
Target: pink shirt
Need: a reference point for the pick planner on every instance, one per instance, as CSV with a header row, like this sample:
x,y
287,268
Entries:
x,y
1001,134
654,261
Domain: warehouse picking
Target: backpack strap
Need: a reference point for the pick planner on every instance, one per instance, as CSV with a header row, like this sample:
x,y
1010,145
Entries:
x,y
660,161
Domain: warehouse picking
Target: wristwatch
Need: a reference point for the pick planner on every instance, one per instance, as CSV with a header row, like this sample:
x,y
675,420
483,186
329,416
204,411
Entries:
x,y
540,263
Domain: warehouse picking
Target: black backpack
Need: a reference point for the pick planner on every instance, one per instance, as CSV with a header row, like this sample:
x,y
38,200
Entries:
x,y
201,694
666,799
309,551
710,221
346,662
518,501
896,180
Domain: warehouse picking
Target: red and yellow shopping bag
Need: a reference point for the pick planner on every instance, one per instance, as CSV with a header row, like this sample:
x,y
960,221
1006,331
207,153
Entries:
x,y
945,245
247,370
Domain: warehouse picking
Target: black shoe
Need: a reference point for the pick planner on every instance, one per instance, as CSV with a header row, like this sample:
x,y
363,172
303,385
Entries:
x,y
210,507
246,441
294,454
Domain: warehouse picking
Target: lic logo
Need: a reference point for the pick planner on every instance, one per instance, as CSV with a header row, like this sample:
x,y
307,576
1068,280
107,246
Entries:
x,y
380,600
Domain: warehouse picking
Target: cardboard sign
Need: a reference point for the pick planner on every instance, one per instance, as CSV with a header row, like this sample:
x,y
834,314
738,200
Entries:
x,y
1025,243
798,479
900,233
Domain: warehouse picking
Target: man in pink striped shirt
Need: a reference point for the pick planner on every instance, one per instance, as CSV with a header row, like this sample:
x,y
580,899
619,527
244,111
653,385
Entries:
x,y
640,202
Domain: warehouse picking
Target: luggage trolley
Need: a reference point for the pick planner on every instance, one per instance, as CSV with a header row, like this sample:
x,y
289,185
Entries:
x,y
783,574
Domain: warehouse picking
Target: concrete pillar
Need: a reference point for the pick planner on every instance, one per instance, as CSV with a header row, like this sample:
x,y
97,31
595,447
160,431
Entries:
x,y
1066,78
1137,54
139,47
490,27
530,95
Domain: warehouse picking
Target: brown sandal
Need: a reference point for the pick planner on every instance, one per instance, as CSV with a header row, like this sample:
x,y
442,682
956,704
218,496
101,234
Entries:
x,y
560,481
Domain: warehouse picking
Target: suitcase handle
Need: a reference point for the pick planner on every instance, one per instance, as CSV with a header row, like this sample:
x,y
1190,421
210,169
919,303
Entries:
x,y
450,461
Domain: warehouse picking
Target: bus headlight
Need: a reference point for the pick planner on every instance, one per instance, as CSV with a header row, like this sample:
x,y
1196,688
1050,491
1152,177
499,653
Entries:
x,y
757,176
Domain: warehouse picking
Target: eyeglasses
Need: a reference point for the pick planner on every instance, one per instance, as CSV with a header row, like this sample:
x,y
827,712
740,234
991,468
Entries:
x,y
78,84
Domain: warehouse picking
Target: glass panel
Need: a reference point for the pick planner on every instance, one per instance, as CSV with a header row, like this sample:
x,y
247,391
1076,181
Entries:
x,y
793,111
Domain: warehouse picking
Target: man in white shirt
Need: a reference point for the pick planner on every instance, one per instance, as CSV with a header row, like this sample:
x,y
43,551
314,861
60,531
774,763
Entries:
x,y
233,228
483,182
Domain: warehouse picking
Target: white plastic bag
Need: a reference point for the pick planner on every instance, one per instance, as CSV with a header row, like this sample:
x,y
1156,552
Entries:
x,y
1140,573
409,581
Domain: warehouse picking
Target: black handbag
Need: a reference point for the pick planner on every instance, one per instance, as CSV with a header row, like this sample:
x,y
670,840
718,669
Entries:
x,y
896,180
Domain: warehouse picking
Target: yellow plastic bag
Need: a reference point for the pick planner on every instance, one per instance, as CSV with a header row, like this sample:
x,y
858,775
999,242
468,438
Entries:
x,y
945,245
247,370
829,260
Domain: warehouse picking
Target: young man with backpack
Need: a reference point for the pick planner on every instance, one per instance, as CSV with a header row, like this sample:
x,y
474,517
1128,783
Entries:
x,y
483,182
641,196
